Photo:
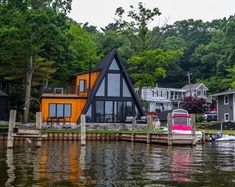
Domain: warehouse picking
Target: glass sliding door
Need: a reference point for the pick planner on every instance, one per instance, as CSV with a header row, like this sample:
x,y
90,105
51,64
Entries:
x,y
99,108
120,111
108,111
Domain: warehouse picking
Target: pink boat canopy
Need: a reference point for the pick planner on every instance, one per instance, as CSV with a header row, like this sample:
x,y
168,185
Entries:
x,y
181,120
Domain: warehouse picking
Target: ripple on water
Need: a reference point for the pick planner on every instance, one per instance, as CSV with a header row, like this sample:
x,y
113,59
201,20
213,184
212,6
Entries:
x,y
67,164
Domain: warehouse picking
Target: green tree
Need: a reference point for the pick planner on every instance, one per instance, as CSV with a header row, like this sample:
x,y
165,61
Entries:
x,y
147,67
32,40
84,48
136,30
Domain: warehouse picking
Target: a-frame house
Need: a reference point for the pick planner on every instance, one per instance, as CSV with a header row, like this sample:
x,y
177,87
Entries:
x,y
104,94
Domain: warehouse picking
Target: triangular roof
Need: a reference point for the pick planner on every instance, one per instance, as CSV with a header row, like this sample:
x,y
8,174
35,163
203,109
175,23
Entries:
x,y
194,86
103,66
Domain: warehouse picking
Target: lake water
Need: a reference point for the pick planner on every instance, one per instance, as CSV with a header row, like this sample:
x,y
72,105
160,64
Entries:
x,y
59,163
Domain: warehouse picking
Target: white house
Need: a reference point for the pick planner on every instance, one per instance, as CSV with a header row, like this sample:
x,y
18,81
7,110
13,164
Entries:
x,y
196,90
162,99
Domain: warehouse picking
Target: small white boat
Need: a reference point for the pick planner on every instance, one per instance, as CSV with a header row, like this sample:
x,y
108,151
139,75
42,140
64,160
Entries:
x,y
226,137
182,124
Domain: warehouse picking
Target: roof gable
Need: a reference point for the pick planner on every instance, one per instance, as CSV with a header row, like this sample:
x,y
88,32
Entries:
x,y
104,65
194,86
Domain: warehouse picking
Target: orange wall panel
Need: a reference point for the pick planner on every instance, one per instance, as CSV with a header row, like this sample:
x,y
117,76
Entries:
x,y
77,106
94,77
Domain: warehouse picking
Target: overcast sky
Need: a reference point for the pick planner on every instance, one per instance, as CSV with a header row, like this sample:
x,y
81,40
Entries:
x,y
102,12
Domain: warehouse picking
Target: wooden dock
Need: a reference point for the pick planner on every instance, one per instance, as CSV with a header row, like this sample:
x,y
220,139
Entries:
x,y
161,138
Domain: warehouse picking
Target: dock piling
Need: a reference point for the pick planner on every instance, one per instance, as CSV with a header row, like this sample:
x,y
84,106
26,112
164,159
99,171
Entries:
x,y
133,129
149,128
39,126
83,130
193,121
12,119
169,126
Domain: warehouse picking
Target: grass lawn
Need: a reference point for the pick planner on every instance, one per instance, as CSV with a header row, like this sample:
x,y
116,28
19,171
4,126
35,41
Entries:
x,y
208,131
3,126
213,131
94,131
206,123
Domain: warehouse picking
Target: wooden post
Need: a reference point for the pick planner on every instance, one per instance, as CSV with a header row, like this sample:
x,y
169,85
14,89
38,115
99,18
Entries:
x,y
38,120
203,137
133,129
169,125
39,126
83,130
149,128
12,120
193,129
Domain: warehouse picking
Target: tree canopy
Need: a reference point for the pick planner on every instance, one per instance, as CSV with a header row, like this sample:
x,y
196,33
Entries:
x,y
40,46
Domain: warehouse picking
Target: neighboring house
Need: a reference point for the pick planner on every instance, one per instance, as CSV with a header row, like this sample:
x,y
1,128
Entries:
x,y
225,105
104,95
196,90
162,99
3,105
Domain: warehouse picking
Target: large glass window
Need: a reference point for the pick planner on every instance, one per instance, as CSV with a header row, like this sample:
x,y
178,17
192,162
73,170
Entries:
x,y
113,84
99,111
82,85
108,111
115,113
128,108
101,89
125,92
67,110
114,65
59,110
120,111
52,110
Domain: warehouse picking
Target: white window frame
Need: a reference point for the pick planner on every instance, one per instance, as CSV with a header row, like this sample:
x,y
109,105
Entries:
x,y
226,96
226,114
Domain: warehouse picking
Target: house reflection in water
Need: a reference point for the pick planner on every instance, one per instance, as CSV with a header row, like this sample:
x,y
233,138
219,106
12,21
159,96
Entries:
x,y
57,166
182,159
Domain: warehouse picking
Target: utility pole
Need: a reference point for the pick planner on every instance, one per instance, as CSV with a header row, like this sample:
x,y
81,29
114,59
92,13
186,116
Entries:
x,y
189,82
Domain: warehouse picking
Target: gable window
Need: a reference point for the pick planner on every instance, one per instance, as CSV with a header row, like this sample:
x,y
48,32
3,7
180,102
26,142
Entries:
x,y
226,117
113,84
82,85
60,110
114,65
226,99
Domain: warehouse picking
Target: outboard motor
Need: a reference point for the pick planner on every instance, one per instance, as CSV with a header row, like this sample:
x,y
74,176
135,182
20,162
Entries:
x,y
216,136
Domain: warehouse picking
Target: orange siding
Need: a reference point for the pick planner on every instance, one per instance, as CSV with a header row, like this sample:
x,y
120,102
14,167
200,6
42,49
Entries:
x,y
77,106
77,103
94,76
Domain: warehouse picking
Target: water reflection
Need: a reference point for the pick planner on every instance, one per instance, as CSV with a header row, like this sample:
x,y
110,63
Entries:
x,y
11,168
117,164
182,164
